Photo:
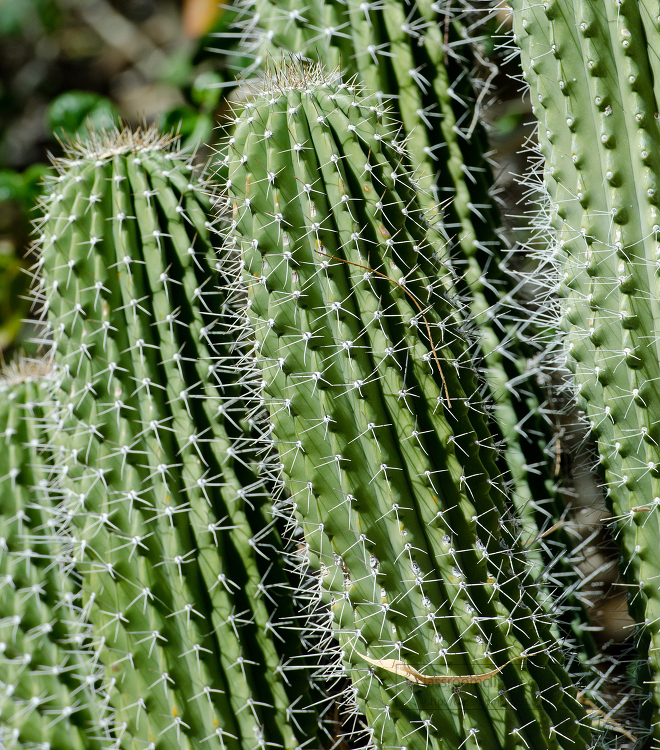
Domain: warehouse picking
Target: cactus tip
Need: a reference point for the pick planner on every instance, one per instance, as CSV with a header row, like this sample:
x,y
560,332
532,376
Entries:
x,y
24,369
101,144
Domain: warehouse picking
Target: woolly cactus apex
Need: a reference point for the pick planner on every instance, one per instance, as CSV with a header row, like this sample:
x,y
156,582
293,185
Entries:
x,y
418,59
166,524
52,694
591,68
381,435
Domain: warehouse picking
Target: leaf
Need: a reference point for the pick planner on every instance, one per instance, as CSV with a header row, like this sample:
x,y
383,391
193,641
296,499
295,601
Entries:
x,y
412,675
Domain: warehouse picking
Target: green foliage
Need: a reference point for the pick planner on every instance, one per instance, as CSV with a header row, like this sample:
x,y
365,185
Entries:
x,y
77,113
382,435
18,197
195,124
16,16
14,306
24,187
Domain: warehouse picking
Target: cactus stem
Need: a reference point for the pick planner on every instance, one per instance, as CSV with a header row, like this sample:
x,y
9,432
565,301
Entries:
x,y
414,301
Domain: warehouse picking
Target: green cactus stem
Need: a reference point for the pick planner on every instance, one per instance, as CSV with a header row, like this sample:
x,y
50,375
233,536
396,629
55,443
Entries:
x,y
165,522
420,59
53,695
592,70
381,435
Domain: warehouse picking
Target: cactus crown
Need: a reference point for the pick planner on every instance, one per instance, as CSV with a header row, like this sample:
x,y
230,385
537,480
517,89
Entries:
x,y
296,74
102,144
23,369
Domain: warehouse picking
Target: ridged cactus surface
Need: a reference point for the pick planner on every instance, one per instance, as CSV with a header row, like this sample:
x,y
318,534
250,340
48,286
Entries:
x,y
381,434
592,69
53,693
419,60
415,56
164,521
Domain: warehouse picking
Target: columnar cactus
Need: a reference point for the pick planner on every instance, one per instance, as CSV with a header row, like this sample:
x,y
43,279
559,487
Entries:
x,y
381,432
53,692
592,68
163,518
419,60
